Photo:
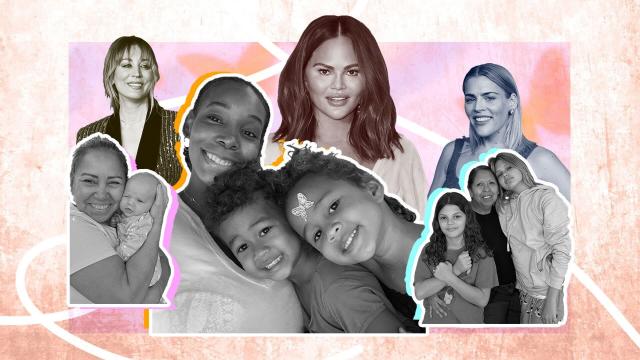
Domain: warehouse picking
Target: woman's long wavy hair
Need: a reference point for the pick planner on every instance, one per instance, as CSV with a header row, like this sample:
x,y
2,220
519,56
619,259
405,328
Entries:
x,y
372,133
436,249
116,52
503,78
518,163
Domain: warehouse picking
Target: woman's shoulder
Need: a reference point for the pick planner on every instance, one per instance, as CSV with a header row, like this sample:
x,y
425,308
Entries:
x,y
94,127
409,149
542,157
545,195
166,113
453,146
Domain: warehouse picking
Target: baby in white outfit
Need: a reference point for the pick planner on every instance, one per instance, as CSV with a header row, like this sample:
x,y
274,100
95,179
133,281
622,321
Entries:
x,y
134,222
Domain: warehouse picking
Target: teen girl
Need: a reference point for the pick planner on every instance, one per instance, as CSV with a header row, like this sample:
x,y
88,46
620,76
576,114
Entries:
x,y
456,265
535,220
334,90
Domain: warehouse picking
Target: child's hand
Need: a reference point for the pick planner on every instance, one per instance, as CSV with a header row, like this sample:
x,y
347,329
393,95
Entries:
x,y
160,204
437,305
463,263
444,271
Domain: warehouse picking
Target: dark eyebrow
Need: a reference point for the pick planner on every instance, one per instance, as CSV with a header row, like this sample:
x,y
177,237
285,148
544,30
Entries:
x,y
221,104
115,177
228,107
352,66
256,118
87,174
324,65
489,92
259,220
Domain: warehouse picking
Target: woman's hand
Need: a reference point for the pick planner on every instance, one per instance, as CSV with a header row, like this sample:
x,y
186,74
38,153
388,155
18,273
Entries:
x,y
436,304
560,303
160,204
550,313
444,272
463,263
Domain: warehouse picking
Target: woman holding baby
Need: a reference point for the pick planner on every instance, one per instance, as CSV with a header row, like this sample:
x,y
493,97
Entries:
x,y
99,274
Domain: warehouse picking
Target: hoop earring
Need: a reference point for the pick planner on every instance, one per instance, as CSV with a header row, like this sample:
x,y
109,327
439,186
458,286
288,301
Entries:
x,y
185,142
511,112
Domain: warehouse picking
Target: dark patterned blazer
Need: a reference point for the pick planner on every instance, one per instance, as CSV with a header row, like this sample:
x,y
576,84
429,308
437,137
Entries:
x,y
157,145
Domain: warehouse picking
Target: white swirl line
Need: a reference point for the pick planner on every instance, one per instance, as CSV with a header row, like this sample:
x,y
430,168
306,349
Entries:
x,y
422,131
19,320
274,49
21,288
358,8
606,303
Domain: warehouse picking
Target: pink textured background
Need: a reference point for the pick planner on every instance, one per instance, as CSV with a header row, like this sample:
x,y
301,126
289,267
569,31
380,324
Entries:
x,y
604,43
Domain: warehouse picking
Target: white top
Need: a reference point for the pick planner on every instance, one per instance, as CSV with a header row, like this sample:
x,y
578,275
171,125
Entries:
x,y
215,295
403,176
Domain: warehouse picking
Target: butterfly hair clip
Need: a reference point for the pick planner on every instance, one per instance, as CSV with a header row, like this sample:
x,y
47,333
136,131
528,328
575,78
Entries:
x,y
303,205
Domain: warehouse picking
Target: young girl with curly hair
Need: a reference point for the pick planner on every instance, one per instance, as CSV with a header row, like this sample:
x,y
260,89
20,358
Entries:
x,y
456,264
341,210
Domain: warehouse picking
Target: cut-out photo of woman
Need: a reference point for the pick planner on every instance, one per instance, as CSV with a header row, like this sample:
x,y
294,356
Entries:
x,y
138,123
334,90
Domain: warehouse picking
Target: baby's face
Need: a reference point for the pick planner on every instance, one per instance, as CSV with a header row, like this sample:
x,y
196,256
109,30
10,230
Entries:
x,y
139,195
262,240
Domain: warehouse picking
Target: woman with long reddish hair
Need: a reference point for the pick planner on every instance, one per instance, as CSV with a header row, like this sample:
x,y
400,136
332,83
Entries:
x,y
334,90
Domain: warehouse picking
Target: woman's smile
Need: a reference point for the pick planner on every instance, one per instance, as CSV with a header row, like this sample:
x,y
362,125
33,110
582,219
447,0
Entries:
x,y
338,101
216,160
135,85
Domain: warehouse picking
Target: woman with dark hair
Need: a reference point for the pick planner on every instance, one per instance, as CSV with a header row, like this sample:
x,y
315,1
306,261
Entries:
x,y
492,104
457,266
334,90
138,123
97,273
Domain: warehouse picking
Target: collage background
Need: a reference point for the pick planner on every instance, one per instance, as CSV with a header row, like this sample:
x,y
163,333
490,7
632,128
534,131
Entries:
x,y
35,88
